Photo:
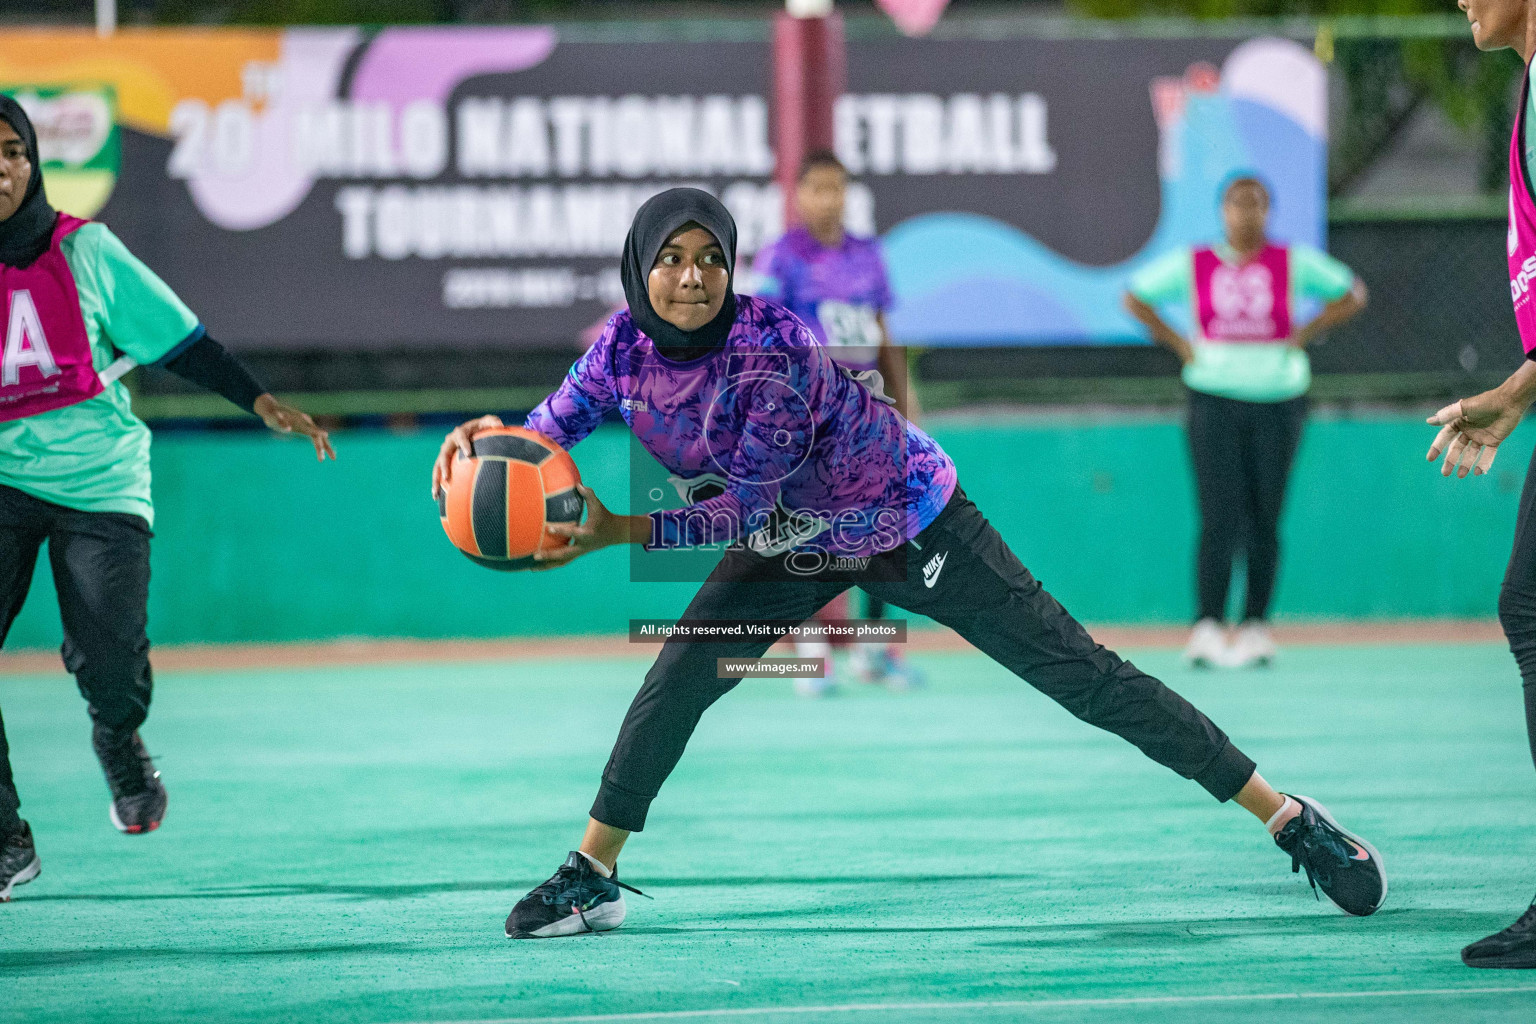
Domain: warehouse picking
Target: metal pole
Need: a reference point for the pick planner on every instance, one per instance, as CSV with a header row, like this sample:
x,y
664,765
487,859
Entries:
x,y
106,17
809,65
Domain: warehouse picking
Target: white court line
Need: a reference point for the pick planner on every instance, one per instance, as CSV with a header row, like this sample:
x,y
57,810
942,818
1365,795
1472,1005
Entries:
x,y
1000,1004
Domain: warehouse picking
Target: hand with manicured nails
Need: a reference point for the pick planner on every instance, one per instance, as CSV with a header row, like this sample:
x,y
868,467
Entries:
x,y
601,529
285,419
458,440
1471,431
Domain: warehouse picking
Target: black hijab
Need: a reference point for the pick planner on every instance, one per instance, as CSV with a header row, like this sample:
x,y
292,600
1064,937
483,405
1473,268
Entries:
x,y
25,234
656,221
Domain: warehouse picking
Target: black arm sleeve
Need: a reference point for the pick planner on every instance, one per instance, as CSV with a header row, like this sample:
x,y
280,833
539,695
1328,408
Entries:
x,y
205,362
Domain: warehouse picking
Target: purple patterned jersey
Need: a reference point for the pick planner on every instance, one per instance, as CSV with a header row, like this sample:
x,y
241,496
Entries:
x,y
769,442
839,293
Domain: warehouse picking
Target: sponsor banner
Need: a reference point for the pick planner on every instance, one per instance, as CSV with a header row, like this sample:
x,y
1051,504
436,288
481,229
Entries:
x,y
342,188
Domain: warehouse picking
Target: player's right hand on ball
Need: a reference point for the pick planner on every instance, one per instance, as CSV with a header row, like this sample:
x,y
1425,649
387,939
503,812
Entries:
x,y
457,441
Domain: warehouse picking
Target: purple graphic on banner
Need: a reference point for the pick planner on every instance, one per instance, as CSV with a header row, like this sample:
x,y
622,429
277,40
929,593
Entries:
x,y
403,65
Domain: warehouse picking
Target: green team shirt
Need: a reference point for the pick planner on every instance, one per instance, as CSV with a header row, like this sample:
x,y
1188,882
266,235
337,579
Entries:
x,y
94,455
1253,372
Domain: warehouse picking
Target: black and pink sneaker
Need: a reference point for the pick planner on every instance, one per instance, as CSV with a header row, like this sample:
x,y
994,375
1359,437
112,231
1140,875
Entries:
x,y
1340,864
576,899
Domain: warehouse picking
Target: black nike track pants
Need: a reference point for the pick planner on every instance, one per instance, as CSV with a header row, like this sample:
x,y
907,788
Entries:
x,y
959,572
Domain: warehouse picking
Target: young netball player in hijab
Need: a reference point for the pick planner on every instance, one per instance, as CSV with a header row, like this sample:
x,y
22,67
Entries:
x,y
792,462
1247,372
1472,429
79,310
836,283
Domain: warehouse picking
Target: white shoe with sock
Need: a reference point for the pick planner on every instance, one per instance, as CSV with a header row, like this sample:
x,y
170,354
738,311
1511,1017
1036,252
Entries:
x,y
1207,647
1253,647
810,686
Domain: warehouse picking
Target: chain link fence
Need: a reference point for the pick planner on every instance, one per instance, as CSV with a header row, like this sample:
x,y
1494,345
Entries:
x,y
1429,244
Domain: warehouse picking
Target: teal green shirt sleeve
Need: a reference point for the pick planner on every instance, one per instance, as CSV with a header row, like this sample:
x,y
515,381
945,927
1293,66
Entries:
x,y
139,314
1316,275
1166,280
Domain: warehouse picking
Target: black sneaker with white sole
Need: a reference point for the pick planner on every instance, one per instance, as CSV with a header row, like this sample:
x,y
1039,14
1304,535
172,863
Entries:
x,y
1340,864
19,863
1514,948
576,899
138,797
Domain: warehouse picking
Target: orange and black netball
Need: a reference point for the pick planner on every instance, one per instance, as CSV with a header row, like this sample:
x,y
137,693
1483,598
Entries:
x,y
497,504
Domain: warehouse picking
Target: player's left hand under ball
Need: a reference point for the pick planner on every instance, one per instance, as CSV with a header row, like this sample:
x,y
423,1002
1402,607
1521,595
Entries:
x,y
285,419
601,529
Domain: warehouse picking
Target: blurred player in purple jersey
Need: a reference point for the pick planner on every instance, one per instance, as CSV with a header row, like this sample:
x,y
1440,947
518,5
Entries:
x,y
836,283
813,483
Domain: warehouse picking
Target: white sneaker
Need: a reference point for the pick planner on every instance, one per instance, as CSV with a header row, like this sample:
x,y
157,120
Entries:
x,y
1207,647
866,663
1253,647
884,665
811,686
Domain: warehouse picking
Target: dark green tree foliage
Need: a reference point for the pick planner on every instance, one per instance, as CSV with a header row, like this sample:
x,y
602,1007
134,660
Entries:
x,y
380,12
1386,77
296,12
1253,8
1387,80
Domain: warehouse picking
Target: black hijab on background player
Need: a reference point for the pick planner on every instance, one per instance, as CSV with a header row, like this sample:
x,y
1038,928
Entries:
x,y
655,222
25,234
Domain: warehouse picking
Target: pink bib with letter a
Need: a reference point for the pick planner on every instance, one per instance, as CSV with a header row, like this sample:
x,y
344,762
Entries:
x,y
1248,303
46,361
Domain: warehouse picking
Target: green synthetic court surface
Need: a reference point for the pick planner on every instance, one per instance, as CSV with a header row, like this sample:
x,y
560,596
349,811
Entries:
x,y
343,845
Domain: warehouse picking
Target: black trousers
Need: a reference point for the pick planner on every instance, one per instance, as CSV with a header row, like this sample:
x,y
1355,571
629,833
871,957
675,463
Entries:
x,y
1242,452
958,571
100,566
1517,599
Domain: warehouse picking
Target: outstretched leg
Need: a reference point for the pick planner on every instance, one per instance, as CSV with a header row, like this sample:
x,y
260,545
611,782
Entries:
x,y
972,582
686,679
983,592
688,676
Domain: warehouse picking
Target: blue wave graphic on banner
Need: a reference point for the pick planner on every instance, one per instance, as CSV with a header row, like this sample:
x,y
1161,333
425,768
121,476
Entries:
x,y
971,279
